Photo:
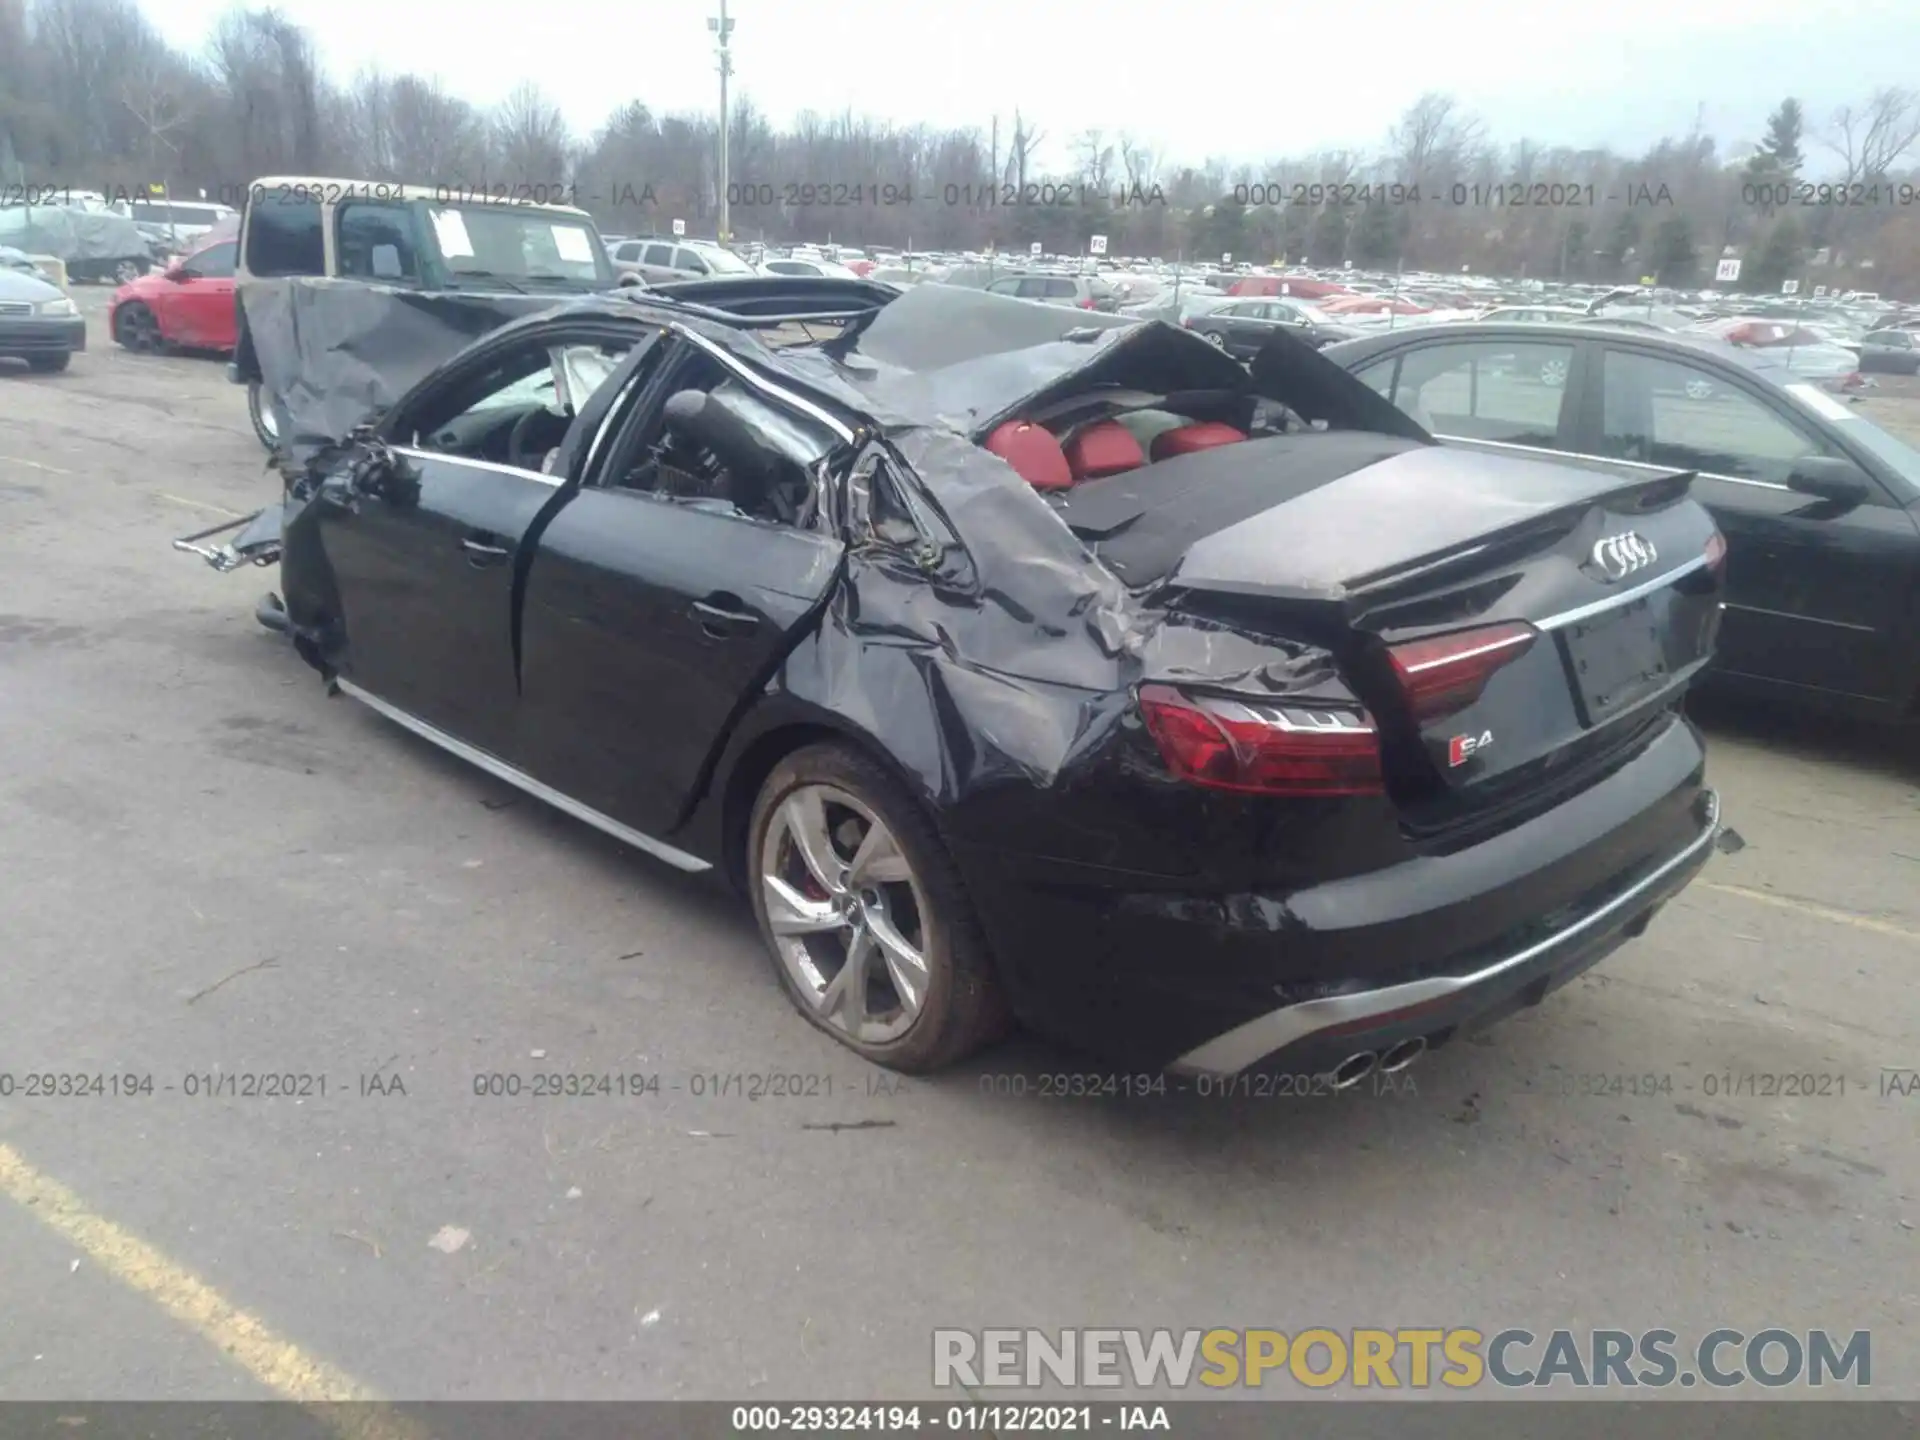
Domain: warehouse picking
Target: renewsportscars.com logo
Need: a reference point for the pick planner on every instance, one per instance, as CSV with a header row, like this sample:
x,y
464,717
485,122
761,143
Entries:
x,y
1414,1359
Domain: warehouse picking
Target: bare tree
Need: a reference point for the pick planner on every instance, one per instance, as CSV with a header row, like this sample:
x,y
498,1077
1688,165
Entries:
x,y
1094,158
1136,163
1871,139
1434,130
530,137
1020,153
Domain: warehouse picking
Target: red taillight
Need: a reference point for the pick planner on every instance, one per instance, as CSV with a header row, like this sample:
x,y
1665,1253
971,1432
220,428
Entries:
x,y
1446,673
1228,746
1716,552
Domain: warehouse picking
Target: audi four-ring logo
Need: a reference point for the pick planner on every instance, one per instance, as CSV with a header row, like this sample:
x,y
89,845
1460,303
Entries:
x,y
1618,556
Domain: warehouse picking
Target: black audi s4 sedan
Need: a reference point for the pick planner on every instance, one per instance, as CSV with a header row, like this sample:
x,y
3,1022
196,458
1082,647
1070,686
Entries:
x,y
1020,664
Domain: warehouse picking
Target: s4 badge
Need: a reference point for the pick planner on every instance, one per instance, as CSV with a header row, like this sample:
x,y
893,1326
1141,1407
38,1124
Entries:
x,y
1462,748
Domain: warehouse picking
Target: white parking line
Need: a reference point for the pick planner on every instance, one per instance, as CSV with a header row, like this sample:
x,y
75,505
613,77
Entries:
x,y
198,504
34,465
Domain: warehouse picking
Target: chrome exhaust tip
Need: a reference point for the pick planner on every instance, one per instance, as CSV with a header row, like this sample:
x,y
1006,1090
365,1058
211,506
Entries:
x,y
1403,1055
1352,1070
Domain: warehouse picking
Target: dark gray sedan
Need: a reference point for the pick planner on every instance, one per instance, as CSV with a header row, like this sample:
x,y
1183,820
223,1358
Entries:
x,y
38,324
1895,352
1242,326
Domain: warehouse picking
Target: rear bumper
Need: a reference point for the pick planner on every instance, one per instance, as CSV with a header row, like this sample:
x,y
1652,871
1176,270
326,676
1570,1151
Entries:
x,y
1319,1034
51,335
1156,973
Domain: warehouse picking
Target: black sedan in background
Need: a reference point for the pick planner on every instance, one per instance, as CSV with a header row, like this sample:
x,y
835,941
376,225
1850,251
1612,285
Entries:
x,y
1242,327
1820,506
1017,661
38,324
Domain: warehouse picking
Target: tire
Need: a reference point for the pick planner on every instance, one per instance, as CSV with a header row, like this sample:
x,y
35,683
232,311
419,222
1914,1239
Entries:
x,y
914,897
1553,372
50,364
136,328
127,270
266,421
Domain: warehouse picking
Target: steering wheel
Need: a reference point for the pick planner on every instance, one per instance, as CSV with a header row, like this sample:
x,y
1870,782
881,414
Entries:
x,y
517,455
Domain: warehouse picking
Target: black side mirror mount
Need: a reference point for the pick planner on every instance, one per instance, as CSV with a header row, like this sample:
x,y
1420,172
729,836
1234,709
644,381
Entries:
x,y
1826,477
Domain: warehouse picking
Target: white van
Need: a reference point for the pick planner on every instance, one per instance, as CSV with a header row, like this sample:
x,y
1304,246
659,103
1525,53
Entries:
x,y
180,221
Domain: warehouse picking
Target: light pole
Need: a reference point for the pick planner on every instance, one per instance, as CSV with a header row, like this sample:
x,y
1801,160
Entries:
x,y
722,29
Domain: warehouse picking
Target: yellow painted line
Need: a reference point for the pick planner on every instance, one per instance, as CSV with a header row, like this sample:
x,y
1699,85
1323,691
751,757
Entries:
x,y
198,504
34,465
1819,912
248,1341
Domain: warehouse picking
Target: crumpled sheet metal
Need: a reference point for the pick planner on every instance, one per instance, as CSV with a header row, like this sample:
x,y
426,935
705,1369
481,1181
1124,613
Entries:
x,y
1022,669
334,353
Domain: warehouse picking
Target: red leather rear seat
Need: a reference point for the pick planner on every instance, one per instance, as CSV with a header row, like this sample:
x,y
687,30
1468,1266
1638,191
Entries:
x,y
1034,453
1204,435
1104,448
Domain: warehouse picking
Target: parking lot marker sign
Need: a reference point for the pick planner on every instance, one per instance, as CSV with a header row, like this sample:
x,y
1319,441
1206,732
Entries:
x,y
1789,287
1097,244
1226,257
1034,248
679,227
1727,270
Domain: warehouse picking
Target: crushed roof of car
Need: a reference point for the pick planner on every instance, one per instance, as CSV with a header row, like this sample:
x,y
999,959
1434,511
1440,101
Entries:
x,y
336,351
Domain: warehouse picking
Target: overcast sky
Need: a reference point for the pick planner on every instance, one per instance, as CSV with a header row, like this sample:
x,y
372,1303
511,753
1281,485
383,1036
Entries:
x,y
1237,79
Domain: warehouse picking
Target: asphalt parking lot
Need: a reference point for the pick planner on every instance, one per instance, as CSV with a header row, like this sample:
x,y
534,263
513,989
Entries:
x,y
213,870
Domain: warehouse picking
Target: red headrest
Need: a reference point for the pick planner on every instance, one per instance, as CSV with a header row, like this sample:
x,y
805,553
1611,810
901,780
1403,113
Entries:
x,y
1034,453
1189,438
1105,448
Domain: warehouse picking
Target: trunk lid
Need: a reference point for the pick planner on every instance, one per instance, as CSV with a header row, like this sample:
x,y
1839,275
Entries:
x,y
1509,624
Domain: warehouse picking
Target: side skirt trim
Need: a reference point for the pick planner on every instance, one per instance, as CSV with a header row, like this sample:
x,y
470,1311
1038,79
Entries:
x,y
500,770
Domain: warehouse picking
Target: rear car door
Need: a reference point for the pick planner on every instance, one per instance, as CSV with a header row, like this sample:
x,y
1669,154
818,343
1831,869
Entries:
x,y
667,591
1812,591
658,264
425,571
1497,393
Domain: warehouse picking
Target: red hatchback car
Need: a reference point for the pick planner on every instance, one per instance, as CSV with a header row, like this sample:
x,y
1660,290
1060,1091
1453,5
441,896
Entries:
x,y
188,305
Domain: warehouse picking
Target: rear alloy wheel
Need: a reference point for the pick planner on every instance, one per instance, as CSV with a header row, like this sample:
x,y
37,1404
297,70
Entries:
x,y
1699,390
136,327
128,270
1216,339
266,423
864,913
1553,372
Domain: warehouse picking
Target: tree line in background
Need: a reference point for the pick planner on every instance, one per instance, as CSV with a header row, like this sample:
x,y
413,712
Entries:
x,y
91,96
